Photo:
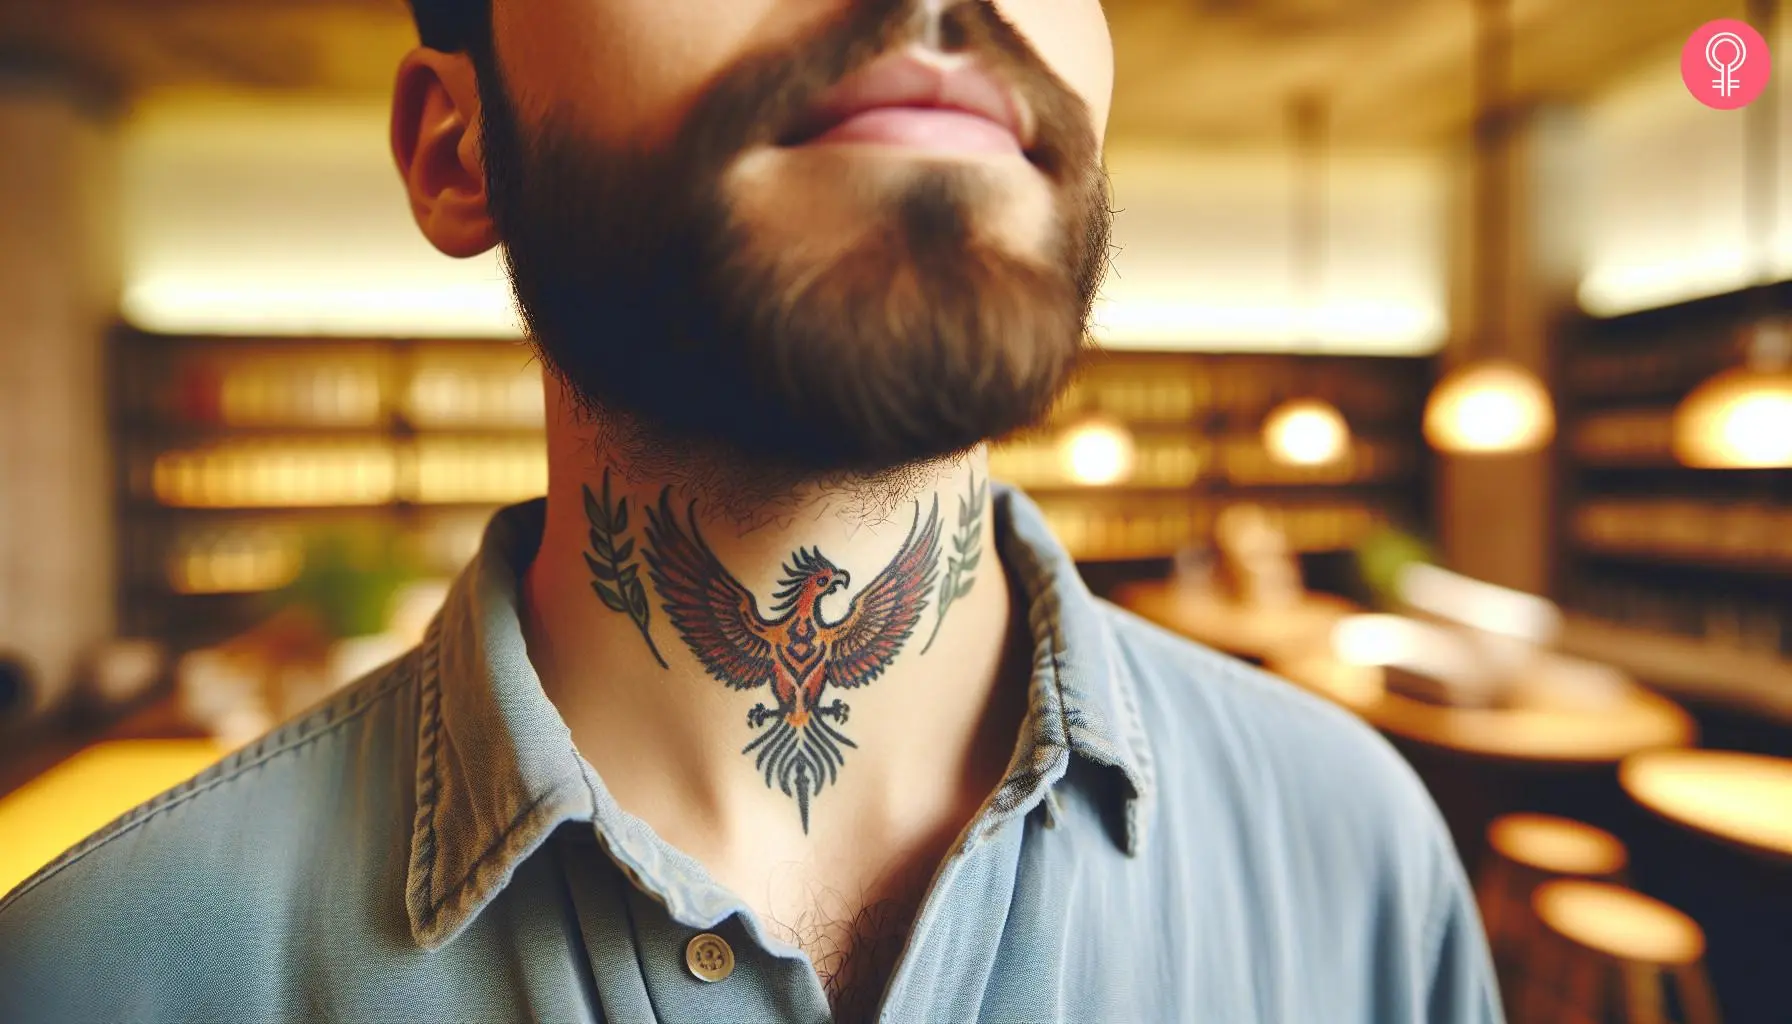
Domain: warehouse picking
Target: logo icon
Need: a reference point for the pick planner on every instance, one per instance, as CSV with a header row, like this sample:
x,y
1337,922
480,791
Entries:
x,y
1725,64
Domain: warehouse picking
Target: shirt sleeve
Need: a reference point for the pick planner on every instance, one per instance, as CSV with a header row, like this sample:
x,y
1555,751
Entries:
x,y
1462,987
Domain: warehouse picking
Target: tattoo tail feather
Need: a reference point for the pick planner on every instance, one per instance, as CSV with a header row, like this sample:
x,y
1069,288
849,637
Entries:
x,y
801,762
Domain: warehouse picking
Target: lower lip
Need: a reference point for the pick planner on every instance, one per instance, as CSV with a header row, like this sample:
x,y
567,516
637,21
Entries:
x,y
937,130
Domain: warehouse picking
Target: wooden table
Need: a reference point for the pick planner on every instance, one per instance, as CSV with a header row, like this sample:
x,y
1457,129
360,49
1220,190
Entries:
x,y
1479,762
71,801
1744,799
1476,761
1540,731
1210,618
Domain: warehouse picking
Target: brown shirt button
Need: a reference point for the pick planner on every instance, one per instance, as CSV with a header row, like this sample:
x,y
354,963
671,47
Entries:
x,y
709,958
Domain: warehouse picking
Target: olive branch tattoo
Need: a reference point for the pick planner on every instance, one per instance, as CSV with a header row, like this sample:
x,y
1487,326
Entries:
x,y
615,576
967,548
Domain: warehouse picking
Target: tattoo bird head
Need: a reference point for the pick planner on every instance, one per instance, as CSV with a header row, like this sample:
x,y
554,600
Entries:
x,y
810,574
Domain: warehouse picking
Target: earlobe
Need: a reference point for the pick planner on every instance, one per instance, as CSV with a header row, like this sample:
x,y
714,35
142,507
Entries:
x,y
435,141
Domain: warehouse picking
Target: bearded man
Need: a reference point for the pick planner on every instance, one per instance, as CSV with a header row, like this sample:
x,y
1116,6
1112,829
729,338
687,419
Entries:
x,y
775,709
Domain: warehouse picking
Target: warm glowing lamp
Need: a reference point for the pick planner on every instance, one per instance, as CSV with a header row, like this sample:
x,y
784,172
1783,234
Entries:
x,y
1742,418
1739,419
1489,408
1097,453
1306,432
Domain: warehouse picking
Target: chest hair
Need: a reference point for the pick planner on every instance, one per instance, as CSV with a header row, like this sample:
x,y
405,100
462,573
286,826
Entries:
x,y
855,950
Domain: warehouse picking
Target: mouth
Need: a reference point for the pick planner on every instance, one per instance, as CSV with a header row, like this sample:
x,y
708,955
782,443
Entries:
x,y
919,101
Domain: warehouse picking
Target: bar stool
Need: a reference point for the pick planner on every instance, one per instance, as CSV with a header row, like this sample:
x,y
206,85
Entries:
x,y
1526,850
1614,949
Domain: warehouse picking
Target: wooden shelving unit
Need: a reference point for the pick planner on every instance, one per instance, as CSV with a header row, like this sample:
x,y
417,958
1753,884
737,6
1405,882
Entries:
x,y
236,454
1705,555
1197,422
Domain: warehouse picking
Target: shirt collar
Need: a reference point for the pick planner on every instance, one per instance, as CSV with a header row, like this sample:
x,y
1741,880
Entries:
x,y
496,766
1083,699
497,771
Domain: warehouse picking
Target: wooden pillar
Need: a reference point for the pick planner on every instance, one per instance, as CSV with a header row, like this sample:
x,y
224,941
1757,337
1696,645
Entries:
x,y
1496,517
57,300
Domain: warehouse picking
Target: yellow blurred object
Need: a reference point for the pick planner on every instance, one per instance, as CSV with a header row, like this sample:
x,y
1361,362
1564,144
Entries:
x,y
273,474
76,798
1490,408
234,561
1540,727
1526,851
1557,845
1097,452
1623,957
1620,923
1739,419
1306,432
1213,618
1742,798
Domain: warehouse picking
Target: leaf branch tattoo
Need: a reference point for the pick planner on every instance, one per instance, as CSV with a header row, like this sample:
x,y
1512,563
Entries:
x,y
967,551
796,652
615,577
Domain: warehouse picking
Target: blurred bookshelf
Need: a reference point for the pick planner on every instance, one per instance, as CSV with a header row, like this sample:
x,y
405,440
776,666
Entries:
x,y
1702,555
1197,421
237,454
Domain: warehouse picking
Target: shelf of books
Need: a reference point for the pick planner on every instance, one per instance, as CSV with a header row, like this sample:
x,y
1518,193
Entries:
x,y
1196,423
1703,554
241,459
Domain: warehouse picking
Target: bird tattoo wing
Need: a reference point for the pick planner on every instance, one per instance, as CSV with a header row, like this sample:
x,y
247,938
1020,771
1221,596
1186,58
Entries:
x,y
883,615
712,611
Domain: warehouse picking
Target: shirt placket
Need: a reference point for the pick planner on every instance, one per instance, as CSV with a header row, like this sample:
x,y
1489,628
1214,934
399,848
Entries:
x,y
647,966
945,969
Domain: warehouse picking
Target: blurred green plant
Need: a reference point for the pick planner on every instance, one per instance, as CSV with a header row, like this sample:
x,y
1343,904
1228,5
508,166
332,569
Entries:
x,y
349,579
1382,555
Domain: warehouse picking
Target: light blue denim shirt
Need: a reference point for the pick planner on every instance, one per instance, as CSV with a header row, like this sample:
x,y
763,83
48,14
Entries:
x,y
1179,838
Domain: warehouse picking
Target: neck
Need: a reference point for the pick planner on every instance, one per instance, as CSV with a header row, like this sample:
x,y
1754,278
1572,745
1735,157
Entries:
x,y
816,670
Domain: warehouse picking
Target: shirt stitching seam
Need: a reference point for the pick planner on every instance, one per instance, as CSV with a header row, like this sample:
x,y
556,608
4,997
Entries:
x,y
503,837
326,727
430,801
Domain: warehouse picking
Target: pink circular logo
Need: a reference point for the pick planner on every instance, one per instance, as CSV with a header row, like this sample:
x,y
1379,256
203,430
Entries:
x,y
1725,64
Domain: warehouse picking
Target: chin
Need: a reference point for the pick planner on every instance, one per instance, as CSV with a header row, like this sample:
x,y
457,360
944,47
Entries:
x,y
819,200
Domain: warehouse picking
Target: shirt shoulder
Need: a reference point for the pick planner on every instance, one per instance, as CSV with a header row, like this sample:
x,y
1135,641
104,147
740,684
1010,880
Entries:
x,y
138,919
1297,783
1295,812
1205,711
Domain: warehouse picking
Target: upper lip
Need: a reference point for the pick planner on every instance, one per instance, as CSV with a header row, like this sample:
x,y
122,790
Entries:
x,y
904,80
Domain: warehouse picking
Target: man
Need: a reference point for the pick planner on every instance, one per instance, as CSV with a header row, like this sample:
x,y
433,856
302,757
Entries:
x,y
775,709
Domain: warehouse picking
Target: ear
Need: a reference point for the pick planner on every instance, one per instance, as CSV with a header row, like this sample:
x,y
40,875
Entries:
x,y
436,141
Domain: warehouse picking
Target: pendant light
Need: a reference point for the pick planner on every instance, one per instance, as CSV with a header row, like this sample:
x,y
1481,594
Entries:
x,y
1742,418
1098,451
1308,431
1490,406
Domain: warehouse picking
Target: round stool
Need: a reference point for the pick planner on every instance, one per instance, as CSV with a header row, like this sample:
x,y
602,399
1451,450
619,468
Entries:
x,y
1614,949
1526,850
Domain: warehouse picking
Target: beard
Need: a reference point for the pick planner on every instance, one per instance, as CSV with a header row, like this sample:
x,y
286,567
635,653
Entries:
x,y
909,331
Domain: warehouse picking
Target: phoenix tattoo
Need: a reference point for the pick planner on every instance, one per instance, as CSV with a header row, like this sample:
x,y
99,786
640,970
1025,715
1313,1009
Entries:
x,y
797,652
